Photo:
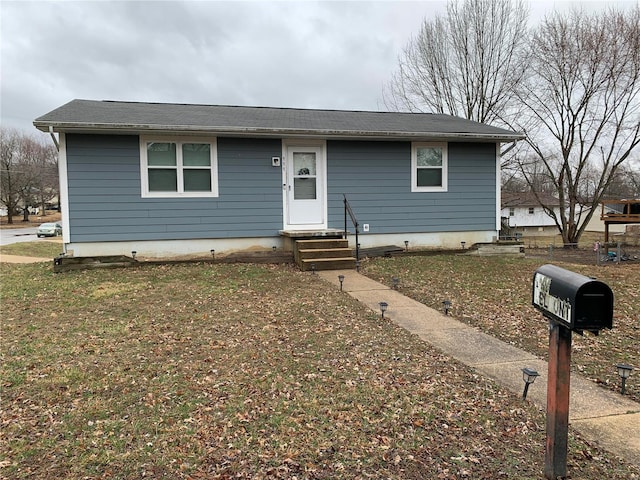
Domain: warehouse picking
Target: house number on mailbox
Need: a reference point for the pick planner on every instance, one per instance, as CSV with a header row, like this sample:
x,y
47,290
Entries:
x,y
543,299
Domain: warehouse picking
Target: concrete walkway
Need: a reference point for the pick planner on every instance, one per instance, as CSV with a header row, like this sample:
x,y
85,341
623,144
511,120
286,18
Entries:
x,y
21,259
606,417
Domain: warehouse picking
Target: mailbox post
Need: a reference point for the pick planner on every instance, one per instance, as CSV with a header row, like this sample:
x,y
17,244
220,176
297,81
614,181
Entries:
x,y
571,302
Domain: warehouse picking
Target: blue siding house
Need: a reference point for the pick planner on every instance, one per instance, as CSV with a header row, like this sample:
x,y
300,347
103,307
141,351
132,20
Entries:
x,y
168,180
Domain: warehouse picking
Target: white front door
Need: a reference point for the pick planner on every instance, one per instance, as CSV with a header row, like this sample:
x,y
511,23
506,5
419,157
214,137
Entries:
x,y
305,187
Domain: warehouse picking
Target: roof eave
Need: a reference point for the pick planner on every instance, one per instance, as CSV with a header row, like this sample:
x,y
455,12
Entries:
x,y
74,127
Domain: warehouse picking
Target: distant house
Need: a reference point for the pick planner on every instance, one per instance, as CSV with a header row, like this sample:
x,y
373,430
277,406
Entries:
x,y
172,179
523,214
615,216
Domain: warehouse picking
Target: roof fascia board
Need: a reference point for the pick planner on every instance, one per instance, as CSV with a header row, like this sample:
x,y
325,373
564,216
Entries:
x,y
273,132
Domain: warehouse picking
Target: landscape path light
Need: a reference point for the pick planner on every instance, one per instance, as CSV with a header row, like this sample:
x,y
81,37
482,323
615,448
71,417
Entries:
x,y
213,253
341,279
447,306
383,307
463,244
133,254
624,370
395,281
529,376
406,245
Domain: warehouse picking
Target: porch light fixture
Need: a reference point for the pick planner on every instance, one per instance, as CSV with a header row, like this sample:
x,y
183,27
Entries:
x,y
341,279
529,376
624,370
447,306
383,308
395,281
133,254
406,245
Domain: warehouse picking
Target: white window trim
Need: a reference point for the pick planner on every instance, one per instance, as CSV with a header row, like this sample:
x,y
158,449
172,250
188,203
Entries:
x,y
414,166
144,176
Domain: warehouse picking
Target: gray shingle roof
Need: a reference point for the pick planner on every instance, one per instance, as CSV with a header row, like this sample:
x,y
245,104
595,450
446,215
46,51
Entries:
x,y
527,199
91,115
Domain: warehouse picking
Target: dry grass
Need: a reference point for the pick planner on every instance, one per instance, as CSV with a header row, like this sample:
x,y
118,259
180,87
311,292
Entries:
x,y
42,248
244,371
494,294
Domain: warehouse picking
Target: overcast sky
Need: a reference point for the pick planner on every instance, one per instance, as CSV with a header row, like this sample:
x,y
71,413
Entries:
x,y
335,55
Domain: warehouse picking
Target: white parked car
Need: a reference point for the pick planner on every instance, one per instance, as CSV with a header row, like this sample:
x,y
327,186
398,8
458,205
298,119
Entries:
x,y
49,230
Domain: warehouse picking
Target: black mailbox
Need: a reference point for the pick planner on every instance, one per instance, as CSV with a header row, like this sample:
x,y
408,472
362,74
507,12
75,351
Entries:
x,y
573,300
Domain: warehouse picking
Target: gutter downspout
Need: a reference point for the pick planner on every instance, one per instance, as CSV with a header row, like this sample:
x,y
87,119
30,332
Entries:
x,y
508,149
53,137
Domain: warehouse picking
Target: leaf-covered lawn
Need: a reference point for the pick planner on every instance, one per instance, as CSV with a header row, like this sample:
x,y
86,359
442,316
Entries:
x,y
244,371
41,248
494,294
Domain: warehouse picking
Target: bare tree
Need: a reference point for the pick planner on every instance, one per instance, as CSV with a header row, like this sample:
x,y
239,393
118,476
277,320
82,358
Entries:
x,y
625,184
44,184
633,178
582,98
28,172
467,63
9,175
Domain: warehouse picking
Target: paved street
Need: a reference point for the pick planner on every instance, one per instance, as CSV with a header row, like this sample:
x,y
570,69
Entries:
x,y
16,235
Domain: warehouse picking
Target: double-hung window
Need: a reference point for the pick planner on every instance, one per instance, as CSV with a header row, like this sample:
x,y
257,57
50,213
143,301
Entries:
x,y
428,167
178,167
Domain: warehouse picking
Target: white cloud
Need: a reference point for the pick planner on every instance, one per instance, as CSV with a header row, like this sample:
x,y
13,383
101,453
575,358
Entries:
x,y
296,54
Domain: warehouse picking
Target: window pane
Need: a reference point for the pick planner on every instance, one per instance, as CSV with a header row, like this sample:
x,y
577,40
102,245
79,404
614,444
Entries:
x,y
429,177
163,180
304,188
161,154
197,180
304,163
196,155
429,156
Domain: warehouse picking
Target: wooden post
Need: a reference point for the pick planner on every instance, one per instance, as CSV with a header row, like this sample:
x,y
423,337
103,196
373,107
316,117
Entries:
x,y
555,462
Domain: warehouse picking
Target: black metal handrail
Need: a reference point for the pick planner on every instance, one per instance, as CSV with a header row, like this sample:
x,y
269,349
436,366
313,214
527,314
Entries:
x,y
354,221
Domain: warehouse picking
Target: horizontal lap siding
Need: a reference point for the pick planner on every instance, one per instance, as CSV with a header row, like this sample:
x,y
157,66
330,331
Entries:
x,y
376,177
105,202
